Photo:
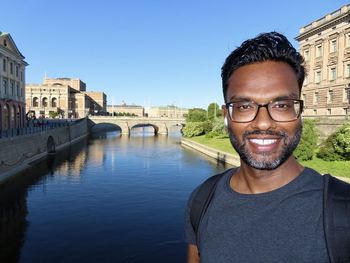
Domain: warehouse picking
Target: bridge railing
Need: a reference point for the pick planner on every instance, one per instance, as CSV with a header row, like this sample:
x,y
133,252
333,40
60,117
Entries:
x,y
35,126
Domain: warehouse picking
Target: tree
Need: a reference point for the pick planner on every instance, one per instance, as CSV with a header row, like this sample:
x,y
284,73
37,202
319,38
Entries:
x,y
214,111
308,142
196,115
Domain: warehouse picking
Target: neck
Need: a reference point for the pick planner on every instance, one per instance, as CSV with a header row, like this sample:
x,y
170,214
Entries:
x,y
248,180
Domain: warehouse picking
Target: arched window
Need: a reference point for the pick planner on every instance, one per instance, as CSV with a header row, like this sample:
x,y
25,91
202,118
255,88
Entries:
x,y
44,102
54,103
35,102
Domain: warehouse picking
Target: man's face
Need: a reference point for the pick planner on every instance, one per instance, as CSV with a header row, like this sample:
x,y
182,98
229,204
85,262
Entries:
x,y
263,143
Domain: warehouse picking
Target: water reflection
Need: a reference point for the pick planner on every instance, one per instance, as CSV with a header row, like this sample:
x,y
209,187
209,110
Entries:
x,y
112,198
13,197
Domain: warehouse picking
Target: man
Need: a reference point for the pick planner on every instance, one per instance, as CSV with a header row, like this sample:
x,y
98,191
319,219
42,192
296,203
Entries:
x,y
270,209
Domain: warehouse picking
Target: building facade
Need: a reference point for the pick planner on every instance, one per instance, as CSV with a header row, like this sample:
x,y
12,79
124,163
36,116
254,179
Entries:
x,y
170,111
325,46
12,84
133,110
63,98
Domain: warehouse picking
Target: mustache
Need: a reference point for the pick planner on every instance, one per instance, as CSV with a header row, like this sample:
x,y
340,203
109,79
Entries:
x,y
268,132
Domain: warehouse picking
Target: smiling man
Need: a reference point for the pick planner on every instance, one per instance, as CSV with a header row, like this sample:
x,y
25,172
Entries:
x,y
271,208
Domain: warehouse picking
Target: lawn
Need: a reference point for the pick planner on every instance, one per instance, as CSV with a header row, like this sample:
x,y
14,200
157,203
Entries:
x,y
337,168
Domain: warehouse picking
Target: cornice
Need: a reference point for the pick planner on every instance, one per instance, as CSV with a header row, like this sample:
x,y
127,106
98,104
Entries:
x,y
325,25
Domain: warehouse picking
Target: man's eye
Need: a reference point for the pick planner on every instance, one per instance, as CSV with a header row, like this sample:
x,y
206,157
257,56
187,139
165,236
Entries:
x,y
244,107
282,106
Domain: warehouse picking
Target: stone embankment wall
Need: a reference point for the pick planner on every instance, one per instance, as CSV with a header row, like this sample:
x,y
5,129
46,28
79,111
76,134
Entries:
x,y
211,152
16,153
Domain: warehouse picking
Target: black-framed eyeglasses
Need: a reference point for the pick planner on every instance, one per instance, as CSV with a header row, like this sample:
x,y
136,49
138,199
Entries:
x,y
279,110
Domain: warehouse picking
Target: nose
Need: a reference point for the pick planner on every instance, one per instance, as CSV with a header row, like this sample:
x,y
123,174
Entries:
x,y
263,121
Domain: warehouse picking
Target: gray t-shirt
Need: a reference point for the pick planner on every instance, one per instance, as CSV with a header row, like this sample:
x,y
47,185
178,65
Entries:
x,y
284,225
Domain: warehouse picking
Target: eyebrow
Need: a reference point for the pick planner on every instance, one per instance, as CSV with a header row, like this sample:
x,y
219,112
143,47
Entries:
x,y
283,97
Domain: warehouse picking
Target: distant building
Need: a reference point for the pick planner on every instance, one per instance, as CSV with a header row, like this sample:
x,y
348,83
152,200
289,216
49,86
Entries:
x,y
99,100
325,46
170,111
65,98
135,110
12,84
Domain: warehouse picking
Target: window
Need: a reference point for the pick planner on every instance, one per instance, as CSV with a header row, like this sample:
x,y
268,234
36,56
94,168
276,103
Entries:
x,y
4,65
54,103
347,70
4,86
18,90
346,95
332,74
318,76
11,68
12,87
316,98
318,51
35,102
44,102
330,96
5,43
348,40
333,46
16,71
306,55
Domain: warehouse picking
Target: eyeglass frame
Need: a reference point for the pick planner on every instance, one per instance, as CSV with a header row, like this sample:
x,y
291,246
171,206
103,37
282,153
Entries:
x,y
301,103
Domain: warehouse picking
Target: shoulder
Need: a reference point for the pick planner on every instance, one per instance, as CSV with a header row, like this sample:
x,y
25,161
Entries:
x,y
205,187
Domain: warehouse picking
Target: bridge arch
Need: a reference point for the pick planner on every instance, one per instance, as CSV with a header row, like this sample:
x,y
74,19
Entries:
x,y
105,126
155,127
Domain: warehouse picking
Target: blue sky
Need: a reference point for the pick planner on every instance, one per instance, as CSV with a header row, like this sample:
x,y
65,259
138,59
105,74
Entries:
x,y
152,52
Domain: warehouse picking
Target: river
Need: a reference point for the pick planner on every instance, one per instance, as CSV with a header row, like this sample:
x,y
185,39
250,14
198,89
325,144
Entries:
x,y
109,198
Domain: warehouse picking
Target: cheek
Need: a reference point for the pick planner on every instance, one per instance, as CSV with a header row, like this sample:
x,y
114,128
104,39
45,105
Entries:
x,y
237,129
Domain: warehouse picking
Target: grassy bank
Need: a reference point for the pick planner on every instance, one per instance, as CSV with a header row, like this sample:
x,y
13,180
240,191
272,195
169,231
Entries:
x,y
337,168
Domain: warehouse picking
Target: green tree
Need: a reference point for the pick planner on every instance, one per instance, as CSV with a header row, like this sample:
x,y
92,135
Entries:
x,y
308,142
196,128
214,111
337,145
196,115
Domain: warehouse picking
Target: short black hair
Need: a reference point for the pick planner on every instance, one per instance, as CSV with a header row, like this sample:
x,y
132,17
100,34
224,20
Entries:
x,y
266,46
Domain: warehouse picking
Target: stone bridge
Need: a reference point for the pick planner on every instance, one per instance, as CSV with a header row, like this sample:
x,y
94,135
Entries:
x,y
160,125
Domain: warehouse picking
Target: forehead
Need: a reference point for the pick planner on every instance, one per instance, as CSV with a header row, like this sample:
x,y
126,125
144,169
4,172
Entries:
x,y
263,81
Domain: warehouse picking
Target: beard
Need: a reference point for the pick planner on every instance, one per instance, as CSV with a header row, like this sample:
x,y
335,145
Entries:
x,y
264,160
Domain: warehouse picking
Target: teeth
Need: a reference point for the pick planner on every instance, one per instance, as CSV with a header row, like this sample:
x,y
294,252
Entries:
x,y
263,141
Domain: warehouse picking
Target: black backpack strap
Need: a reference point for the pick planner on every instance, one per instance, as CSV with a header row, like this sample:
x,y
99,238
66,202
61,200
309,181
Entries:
x,y
336,216
202,199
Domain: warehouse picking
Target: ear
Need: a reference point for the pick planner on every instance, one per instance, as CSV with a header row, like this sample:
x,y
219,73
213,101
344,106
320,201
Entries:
x,y
224,113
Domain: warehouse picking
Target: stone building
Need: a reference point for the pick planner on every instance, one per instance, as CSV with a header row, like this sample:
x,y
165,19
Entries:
x,y
12,84
170,111
64,97
135,110
99,101
325,46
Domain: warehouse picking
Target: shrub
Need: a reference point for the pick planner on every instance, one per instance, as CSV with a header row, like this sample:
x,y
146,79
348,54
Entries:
x,y
308,142
196,128
337,145
218,130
